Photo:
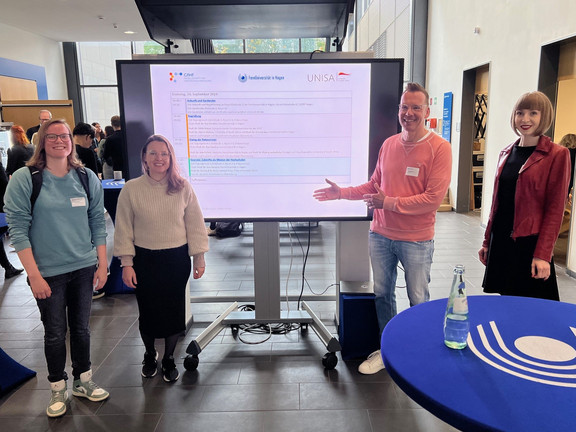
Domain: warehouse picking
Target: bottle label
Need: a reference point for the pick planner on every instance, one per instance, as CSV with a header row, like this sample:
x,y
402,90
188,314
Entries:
x,y
460,305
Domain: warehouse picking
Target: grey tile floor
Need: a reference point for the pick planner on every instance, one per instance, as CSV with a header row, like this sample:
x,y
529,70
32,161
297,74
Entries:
x,y
278,385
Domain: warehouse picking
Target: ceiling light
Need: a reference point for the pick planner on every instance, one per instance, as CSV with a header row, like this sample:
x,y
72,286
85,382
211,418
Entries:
x,y
129,32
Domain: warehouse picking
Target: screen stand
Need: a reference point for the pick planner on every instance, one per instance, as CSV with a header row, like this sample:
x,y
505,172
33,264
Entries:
x,y
267,302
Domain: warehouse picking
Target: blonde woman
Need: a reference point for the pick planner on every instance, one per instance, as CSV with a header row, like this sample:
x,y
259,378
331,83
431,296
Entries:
x,y
159,226
61,242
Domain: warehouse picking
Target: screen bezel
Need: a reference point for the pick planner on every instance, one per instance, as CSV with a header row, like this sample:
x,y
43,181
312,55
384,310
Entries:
x,y
137,115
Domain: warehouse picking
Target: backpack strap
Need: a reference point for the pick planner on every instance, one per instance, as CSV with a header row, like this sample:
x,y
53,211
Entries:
x,y
83,176
36,175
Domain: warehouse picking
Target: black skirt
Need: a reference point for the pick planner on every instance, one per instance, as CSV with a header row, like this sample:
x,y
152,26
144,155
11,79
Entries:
x,y
508,269
162,277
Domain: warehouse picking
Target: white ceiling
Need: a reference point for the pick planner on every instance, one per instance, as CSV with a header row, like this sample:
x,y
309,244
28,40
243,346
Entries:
x,y
75,20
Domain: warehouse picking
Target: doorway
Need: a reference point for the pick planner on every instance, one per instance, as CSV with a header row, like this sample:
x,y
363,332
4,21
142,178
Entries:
x,y
474,122
558,80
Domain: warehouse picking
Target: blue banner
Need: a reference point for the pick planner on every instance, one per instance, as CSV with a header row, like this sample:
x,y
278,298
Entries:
x,y
447,116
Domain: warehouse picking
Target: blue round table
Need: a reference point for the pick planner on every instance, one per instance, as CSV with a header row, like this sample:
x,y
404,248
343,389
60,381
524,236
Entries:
x,y
518,372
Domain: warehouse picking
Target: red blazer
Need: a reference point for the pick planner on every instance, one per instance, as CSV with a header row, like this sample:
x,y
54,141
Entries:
x,y
541,193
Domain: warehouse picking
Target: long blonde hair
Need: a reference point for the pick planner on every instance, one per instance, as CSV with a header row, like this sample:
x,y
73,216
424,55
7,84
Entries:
x,y
38,159
175,180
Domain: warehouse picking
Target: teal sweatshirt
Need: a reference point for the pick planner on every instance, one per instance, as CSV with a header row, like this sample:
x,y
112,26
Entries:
x,y
64,229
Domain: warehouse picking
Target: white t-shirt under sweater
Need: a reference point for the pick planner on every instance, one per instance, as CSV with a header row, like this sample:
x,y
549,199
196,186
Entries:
x,y
148,217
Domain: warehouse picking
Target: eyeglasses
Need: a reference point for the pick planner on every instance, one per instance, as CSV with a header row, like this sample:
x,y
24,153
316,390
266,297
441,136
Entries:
x,y
163,155
54,137
415,108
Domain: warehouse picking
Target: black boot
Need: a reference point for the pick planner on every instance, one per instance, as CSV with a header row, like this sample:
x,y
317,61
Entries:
x,y
12,271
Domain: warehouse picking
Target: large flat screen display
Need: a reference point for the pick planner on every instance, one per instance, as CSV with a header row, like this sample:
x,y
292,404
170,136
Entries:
x,y
256,138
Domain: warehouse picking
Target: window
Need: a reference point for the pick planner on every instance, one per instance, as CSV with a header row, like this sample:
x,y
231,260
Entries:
x,y
228,46
97,70
97,66
241,46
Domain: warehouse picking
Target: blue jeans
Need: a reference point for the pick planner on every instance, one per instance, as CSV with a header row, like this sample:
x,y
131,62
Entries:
x,y
71,301
416,258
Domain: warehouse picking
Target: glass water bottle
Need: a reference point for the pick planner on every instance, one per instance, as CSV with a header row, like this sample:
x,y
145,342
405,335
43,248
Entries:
x,y
456,325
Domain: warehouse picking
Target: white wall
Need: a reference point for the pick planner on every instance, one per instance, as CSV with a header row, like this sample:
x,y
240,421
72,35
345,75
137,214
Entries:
x,y
511,36
27,47
384,27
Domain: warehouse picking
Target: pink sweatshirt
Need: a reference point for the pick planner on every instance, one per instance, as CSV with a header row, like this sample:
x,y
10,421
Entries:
x,y
414,178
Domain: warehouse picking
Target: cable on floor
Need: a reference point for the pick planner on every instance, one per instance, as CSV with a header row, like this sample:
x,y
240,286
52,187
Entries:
x,y
263,329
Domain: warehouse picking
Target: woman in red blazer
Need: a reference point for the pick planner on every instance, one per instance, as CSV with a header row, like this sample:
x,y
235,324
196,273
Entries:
x,y
530,192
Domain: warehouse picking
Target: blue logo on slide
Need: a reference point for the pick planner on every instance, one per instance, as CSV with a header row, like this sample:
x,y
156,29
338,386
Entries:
x,y
242,77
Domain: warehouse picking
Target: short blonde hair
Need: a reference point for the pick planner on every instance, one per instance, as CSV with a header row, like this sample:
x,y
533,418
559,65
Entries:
x,y
413,87
534,101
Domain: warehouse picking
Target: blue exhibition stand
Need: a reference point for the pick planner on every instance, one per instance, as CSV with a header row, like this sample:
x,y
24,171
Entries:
x,y
114,284
112,190
518,372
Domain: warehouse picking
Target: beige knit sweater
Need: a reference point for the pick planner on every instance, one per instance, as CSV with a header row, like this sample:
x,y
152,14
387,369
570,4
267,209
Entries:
x,y
148,217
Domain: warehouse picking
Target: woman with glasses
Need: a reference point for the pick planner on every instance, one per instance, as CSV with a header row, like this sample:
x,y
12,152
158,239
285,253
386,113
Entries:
x,y
61,242
530,192
159,226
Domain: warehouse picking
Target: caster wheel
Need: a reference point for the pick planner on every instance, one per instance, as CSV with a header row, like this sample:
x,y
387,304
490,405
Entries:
x,y
329,361
234,329
304,328
191,362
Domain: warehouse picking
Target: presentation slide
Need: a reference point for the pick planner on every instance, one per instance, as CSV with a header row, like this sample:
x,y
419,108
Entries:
x,y
256,139
274,132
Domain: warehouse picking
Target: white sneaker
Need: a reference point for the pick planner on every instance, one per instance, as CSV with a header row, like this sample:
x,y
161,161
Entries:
x,y
58,400
85,387
372,364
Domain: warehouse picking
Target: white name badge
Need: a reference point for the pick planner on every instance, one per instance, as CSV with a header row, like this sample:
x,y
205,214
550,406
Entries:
x,y
78,202
412,171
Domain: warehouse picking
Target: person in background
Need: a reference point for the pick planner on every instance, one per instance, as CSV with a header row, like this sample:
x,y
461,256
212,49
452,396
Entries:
x,y
98,133
61,242
44,116
569,141
530,192
20,151
408,185
114,148
83,135
9,270
107,169
98,136
159,225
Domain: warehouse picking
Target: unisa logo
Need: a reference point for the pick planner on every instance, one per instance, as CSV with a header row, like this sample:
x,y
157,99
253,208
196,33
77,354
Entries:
x,y
173,76
242,77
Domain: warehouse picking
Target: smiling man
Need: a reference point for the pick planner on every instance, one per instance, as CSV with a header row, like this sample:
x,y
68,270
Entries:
x,y
405,191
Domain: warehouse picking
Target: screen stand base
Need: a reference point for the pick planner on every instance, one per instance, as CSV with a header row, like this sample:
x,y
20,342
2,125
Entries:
x,y
266,302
